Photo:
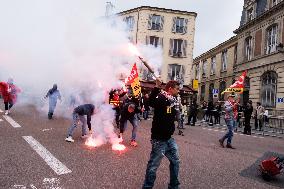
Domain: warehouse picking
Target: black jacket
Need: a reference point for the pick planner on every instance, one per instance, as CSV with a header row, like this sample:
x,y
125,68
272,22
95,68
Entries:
x,y
248,111
126,115
86,109
163,125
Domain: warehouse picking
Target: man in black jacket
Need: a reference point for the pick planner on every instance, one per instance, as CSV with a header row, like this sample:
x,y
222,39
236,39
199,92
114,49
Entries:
x,y
79,116
248,109
163,127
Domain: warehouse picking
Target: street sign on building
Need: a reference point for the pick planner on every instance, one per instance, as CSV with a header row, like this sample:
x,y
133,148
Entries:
x,y
280,100
215,91
195,84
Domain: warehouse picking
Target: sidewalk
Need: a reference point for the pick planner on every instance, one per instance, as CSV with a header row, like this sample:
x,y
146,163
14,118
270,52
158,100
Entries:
x,y
267,131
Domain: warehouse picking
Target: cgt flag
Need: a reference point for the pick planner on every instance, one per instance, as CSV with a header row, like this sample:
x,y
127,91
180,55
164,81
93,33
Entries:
x,y
238,86
133,80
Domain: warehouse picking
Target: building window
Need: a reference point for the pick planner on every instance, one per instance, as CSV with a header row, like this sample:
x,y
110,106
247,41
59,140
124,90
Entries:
x,y
179,25
129,22
275,2
213,65
147,76
204,66
176,72
224,59
271,39
222,88
268,89
197,71
178,47
202,89
154,40
155,22
249,14
248,48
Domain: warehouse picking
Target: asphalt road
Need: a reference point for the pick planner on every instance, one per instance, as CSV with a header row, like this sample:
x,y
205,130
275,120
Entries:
x,y
204,164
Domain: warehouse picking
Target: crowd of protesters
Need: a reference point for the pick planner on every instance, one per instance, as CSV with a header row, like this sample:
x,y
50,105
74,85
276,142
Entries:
x,y
168,112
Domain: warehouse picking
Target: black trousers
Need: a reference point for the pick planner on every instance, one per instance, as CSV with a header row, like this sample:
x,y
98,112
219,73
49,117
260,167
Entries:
x,y
8,105
247,129
192,116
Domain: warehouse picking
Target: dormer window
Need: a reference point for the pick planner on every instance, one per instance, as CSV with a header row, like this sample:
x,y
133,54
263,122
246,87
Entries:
x,y
249,14
274,2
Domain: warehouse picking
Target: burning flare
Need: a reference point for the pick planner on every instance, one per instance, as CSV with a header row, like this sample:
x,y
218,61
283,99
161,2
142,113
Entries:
x,y
118,147
93,142
133,49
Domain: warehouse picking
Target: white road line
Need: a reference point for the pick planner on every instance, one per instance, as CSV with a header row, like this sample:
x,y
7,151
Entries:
x,y
11,121
1,111
58,167
1,119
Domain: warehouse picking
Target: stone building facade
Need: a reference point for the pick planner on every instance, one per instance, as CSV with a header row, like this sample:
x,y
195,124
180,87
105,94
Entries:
x,y
171,30
215,70
259,50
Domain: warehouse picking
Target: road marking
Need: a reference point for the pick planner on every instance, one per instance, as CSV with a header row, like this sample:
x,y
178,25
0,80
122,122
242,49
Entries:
x,y
1,111
1,119
11,121
58,167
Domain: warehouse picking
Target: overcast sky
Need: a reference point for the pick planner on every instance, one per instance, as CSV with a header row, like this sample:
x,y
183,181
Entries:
x,y
216,19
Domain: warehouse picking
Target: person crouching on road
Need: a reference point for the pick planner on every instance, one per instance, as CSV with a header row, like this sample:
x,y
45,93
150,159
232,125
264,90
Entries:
x,y
53,94
79,114
230,119
163,127
129,112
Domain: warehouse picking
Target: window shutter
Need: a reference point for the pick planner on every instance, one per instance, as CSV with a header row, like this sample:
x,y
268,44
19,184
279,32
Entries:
x,y
169,72
185,26
132,23
160,41
184,46
161,22
147,40
174,25
150,21
171,51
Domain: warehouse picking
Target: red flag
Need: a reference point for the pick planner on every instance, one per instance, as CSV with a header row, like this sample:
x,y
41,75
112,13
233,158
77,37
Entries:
x,y
238,86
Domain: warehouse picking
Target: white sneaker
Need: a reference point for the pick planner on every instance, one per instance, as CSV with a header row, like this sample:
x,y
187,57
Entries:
x,y
7,112
69,139
84,136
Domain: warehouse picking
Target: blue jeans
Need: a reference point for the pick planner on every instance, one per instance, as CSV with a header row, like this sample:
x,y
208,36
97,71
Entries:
x,y
145,114
75,122
160,149
229,135
134,123
52,105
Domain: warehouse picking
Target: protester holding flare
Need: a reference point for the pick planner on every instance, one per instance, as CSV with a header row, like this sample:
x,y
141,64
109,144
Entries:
x,y
79,114
163,127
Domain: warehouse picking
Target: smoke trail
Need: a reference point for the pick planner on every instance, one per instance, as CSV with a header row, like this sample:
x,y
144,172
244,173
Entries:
x,y
67,43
